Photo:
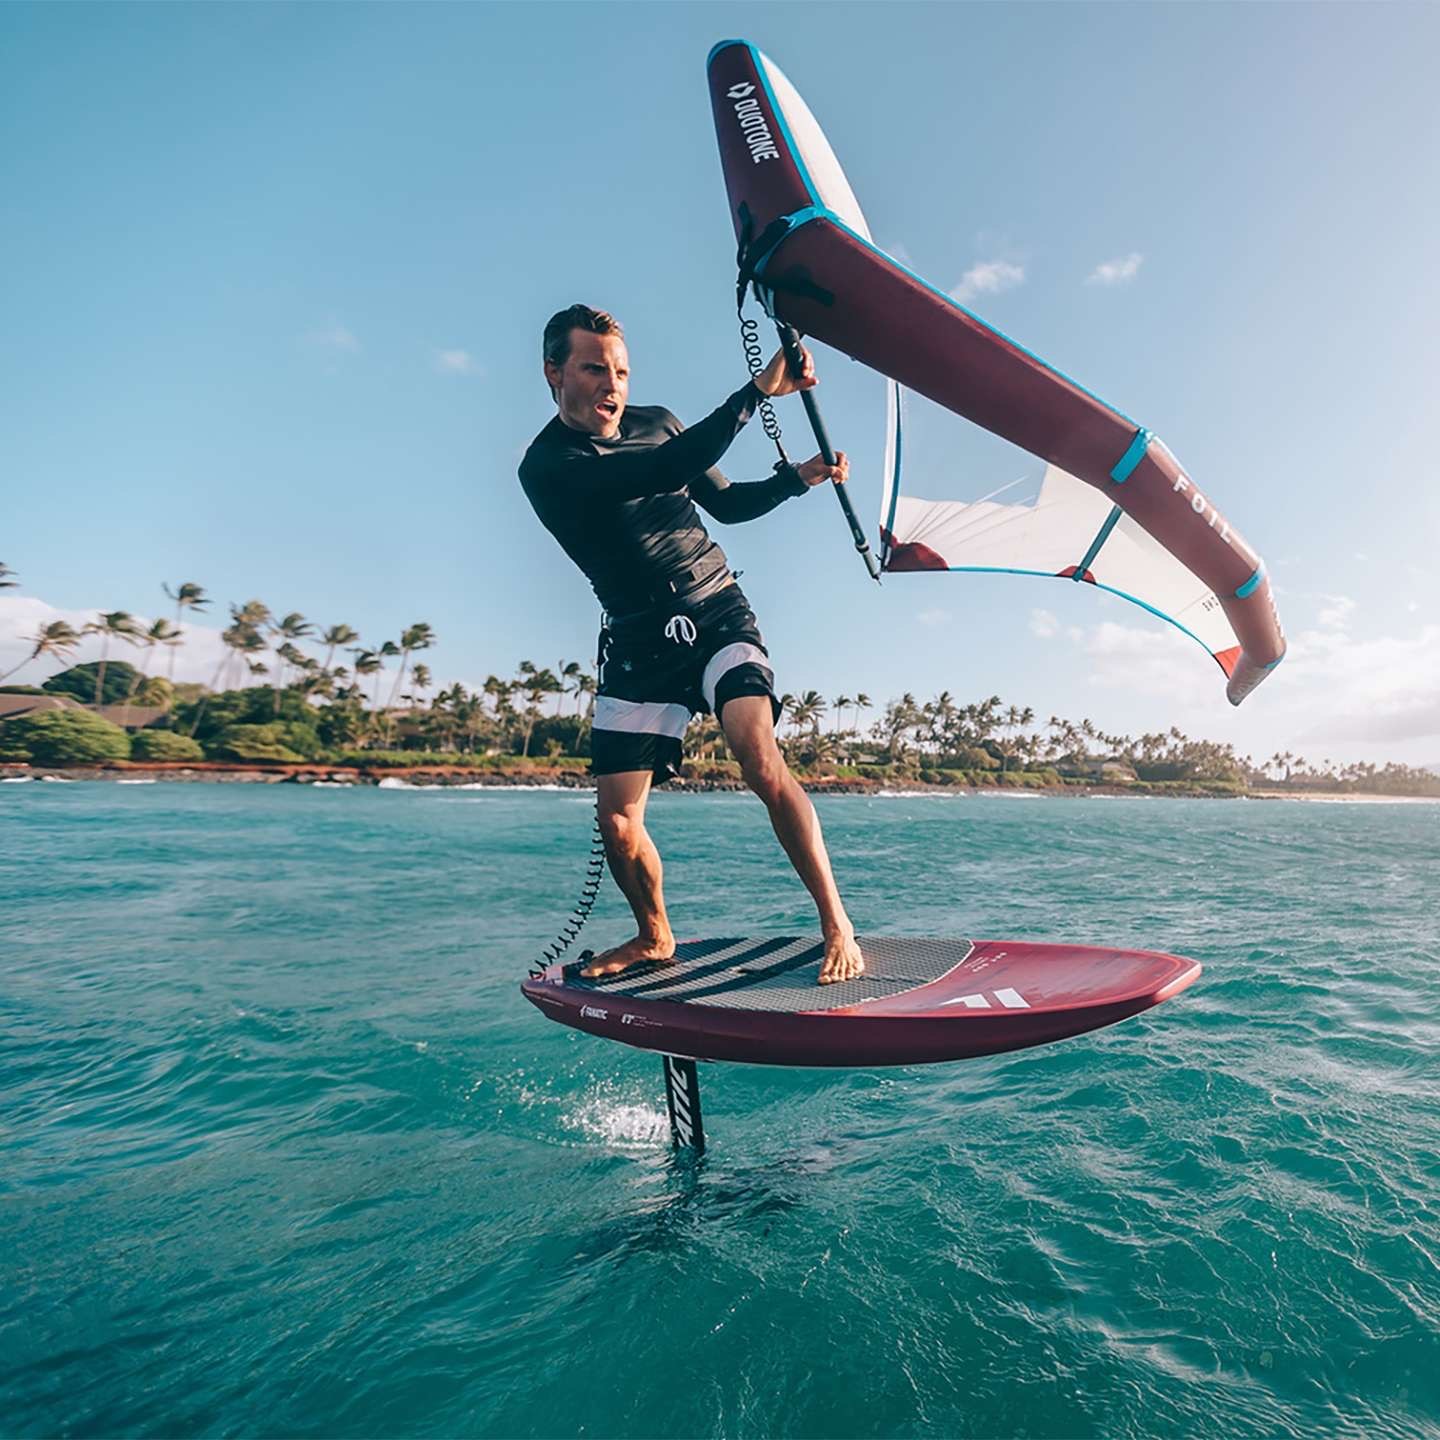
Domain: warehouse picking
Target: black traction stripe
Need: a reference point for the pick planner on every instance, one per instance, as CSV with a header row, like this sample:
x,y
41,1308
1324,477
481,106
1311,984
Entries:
x,y
670,977
666,970
756,977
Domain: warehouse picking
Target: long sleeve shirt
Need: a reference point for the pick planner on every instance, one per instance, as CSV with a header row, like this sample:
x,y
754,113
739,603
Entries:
x,y
625,510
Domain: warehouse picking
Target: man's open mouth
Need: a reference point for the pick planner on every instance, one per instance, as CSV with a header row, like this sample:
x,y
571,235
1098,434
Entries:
x,y
608,407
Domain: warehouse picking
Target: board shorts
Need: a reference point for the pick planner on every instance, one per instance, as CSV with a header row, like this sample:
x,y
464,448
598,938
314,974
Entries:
x,y
656,671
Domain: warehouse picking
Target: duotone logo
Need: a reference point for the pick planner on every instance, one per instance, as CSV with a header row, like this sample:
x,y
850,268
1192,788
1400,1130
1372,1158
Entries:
x,y
754,127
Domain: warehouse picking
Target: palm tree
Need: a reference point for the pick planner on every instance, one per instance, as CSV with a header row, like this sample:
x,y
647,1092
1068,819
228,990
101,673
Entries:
x,y
901,716
242,639
160,632
6,583
945,713
1014,720
841,704
586,685
387,650
112,624
805,711
536,684
287,654
569,679
247,632
862,702
367,662
498,693
419,636
786,703
55,638
810,710
414,637
334,638
421,677
290,628
187,596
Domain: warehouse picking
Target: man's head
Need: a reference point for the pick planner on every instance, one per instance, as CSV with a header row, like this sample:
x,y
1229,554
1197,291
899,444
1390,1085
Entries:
x,y
588,369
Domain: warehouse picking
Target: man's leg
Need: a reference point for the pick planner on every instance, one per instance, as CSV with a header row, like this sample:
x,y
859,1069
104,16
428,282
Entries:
x,y
749,726
635,864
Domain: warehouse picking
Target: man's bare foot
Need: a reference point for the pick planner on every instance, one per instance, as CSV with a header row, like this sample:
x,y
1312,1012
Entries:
x,y
633,952
843,960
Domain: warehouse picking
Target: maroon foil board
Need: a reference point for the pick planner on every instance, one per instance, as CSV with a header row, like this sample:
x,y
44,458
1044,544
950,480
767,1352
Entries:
x,y
757,1000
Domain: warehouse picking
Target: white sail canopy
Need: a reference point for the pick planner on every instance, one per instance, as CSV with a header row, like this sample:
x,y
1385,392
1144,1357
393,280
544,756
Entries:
x,y
1068,531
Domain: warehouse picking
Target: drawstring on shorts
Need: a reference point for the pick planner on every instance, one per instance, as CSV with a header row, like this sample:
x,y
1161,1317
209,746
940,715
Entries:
x,y
681,628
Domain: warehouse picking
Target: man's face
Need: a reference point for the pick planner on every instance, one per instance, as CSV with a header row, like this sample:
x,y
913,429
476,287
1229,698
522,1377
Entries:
x,y
592,385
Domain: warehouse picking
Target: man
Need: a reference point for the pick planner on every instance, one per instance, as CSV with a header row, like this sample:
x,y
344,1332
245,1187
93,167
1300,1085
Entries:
x,y
618,487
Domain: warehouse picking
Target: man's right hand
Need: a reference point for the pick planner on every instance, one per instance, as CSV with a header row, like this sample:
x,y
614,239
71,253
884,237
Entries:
x,y
776,379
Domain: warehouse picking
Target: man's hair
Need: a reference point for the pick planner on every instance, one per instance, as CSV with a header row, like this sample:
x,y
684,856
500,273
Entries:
x,y
577,317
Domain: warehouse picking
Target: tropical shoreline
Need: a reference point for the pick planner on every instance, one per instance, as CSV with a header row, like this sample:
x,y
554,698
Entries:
x,y
571,777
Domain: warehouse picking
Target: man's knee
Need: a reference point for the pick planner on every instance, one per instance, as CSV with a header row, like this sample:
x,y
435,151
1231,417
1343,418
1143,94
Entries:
x,y
622,829
765,771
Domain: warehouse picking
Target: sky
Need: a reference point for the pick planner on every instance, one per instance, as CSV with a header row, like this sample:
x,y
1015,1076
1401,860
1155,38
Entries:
x,y
275,278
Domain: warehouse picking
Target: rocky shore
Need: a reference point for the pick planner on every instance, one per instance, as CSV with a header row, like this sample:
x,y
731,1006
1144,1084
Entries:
x,y
538,776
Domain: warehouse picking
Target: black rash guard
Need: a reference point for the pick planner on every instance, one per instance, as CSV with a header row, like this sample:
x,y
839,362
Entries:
x,y
624,509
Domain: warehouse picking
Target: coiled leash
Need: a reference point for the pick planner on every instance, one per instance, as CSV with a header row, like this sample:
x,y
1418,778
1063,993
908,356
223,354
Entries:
x,y
589,892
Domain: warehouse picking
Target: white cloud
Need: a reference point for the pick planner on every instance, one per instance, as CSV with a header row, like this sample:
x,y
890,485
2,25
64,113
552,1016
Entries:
x,y
1044,624
1118,271
934,617
333,336
989,277
1372,691
1376,688
1336,613
21,616
455,362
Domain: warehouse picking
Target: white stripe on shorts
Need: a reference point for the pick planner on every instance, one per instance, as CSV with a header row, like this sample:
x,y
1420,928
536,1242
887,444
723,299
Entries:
x,y
723,661
638,717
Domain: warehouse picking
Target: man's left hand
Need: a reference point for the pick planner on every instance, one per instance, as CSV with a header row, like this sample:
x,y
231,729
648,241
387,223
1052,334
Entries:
x,y
815,471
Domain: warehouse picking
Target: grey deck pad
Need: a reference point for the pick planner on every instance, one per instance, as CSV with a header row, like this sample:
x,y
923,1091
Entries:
x,y
779,972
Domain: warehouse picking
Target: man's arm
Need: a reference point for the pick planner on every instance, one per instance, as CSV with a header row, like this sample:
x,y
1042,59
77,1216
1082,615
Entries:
x,y
732,502
629,474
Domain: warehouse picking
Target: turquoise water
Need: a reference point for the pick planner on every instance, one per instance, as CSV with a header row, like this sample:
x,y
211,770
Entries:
x,y
284,1151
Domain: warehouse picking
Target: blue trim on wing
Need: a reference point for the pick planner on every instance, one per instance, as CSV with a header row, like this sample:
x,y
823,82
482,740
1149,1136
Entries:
x,y
889,521
1124,595
1125,466
1251,585
795,152
1111,521
818,211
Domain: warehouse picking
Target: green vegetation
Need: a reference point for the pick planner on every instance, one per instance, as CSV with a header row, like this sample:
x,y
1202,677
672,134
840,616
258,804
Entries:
x,y
271,700
63,737
86,683
164,745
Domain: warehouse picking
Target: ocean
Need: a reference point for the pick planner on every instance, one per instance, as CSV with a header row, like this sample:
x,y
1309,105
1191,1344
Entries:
x,y
283,1150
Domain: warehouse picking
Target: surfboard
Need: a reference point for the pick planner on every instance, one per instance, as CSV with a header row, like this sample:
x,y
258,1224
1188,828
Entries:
x,y
756,999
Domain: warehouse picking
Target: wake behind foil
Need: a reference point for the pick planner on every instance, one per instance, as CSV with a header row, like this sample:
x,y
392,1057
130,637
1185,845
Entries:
x,y
920,1001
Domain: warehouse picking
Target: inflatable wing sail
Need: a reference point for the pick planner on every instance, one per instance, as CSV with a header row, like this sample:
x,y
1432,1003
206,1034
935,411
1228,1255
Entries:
x,y
1115,508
